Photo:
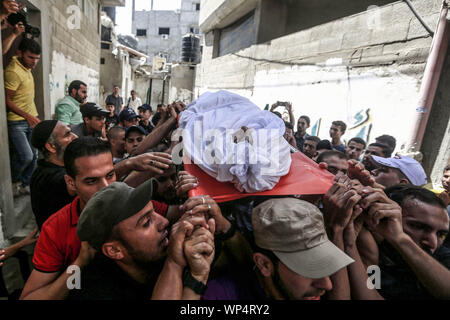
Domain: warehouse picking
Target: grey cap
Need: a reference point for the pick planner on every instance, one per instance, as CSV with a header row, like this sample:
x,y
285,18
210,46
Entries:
x,y
110,206
294,231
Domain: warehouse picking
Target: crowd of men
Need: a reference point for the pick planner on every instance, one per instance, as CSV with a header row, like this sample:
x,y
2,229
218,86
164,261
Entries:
x,y
110,202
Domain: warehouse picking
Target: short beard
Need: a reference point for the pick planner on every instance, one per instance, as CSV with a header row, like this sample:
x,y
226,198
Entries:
x,y
78,98
143,263
59,150
22,61
279,285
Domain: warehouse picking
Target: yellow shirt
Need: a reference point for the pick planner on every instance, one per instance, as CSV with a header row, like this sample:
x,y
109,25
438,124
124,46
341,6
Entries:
x,y
19,79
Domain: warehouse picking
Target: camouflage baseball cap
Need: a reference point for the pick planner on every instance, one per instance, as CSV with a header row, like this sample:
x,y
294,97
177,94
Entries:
x,y
294,231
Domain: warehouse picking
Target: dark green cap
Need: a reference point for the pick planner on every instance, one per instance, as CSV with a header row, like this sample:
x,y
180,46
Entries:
x,y
110,206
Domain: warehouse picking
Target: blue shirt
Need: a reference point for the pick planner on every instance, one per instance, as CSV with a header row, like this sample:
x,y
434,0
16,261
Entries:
x,y
340,148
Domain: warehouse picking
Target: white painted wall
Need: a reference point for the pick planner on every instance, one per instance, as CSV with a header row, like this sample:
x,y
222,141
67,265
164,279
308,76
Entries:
x,y
329,94
63,72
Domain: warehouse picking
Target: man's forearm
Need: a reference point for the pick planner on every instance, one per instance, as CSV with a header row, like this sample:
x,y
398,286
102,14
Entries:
x,y
341,285
358,277
169,285
123,168
292,118
56,290
433,275
367,248
136,178
7,42
155,136
15,109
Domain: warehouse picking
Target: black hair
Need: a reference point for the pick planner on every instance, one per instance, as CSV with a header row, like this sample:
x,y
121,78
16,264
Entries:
x,y
112,133
387,152
76,84
82,147
329,153
324,144
340,124
358,140
401,192
387,140
306,118
313,138
288,125
268,253
29,45
447,168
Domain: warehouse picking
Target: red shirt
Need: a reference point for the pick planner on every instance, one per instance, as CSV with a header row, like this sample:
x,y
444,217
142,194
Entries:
x,y
58,244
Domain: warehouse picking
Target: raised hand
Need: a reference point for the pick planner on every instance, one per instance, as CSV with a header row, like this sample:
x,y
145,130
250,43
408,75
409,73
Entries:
x,y
339,204
384,216
179,232
156,162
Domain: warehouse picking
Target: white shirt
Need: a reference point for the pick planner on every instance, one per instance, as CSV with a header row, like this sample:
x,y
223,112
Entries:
x,y
135,104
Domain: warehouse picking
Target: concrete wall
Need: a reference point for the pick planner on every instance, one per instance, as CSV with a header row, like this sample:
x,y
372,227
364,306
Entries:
x,y
178,22
6,197
141,85
75,53
182,83
366,66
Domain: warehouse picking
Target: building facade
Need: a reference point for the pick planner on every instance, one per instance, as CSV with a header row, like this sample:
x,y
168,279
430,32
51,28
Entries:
x,y
160,32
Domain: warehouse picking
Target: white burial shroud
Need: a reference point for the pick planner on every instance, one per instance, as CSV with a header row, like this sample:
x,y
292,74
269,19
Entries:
x,y
252,159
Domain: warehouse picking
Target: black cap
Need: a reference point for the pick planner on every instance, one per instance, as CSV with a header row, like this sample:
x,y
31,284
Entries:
x,y
42,132
135,129
91,109
127,114
146,107
108,207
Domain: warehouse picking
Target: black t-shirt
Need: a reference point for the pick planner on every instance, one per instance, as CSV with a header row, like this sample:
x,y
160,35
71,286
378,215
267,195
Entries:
x,y
103,279
48,191
398,281
111,121
148,128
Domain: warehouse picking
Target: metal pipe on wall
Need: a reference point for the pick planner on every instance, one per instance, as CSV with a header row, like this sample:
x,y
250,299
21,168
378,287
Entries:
x,y
430,80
